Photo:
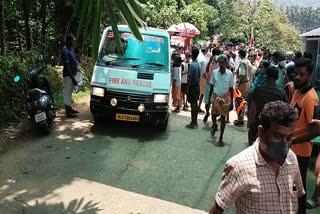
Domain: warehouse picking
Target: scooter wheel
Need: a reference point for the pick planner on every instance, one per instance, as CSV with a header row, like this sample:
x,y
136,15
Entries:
x,y
44,127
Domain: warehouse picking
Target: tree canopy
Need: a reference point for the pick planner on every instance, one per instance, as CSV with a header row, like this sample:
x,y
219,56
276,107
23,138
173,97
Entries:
x,y
43,24
270,26
304,18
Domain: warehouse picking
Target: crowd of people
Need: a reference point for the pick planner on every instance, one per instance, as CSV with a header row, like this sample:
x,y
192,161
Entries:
x,y
274,91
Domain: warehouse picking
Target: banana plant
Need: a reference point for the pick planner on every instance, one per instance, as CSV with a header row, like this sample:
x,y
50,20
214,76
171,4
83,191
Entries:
x,y
90,11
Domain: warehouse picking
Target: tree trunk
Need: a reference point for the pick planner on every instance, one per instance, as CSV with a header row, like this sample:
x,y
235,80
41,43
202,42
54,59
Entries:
x,y
2,33
18,31
43,14
26,12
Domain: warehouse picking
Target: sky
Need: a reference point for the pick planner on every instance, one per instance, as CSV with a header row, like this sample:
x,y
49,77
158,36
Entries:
x,y
305,3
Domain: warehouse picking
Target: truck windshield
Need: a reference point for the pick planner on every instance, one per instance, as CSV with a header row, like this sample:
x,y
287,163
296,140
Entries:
x,y
153,51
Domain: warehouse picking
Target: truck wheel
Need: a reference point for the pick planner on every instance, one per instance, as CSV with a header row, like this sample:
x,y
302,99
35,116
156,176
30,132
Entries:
x,y
96,118
163,125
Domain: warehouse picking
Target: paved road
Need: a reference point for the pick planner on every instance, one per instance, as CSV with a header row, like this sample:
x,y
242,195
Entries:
x,y
116,167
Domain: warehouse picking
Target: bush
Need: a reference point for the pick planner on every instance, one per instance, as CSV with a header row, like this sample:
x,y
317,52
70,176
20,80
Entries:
x,y
13,96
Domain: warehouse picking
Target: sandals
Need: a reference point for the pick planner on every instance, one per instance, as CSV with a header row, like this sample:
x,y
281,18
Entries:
x,y
177,110
311,204
221,143
213,130
192,126
238,123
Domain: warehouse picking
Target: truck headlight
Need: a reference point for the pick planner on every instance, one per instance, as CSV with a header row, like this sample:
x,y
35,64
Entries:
x,y
98,92
161,98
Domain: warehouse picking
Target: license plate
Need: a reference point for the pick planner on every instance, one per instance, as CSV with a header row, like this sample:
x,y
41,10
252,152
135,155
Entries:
x,y
40,117
127,117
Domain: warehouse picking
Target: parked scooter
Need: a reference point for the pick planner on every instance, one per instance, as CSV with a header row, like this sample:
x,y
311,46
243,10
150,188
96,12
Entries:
x,y
39,101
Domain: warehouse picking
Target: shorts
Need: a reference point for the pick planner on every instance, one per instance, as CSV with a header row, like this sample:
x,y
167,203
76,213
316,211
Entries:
x,y
221,104
206,94
193,93
184,87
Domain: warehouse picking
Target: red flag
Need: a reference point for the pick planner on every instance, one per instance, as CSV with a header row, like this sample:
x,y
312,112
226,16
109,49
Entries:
x,y
252,38
251,41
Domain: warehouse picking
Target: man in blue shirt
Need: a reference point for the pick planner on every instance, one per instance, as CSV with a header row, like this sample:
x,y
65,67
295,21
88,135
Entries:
x,y
70,68
193,88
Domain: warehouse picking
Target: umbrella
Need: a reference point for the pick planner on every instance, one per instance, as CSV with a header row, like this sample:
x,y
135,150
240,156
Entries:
x,y
173,30
187,29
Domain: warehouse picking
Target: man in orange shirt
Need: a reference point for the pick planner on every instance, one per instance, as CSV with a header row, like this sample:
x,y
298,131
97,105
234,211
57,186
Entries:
x,y
304,99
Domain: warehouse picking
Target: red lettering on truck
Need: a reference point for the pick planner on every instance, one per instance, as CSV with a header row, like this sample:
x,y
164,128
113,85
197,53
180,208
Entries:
x,y
114,81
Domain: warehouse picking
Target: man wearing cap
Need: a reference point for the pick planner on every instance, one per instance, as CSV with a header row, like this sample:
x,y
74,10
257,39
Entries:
x,y
243,80
222,87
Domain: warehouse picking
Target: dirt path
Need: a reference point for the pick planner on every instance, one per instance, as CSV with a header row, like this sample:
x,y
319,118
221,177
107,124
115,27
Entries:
x,y
11,133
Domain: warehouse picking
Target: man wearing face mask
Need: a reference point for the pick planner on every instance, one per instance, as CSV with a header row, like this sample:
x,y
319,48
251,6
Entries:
x,y
279,60
304,99
265,177
263,95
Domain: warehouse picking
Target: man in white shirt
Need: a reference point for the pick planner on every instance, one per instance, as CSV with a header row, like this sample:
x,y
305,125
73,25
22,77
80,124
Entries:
x,y
203,64
184,80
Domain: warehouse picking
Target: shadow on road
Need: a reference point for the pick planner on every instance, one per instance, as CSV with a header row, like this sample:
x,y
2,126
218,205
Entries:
x,y
178,165
115,129
76,206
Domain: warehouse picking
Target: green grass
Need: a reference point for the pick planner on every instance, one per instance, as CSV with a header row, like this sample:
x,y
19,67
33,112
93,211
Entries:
x,y
84,92
58,97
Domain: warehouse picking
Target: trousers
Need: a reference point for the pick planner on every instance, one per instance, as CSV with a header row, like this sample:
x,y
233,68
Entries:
x,y
67,90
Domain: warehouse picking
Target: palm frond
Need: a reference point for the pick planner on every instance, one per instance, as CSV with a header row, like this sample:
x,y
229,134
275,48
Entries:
x,y
83,17
88,21
136,11
96,31
114,26
129,18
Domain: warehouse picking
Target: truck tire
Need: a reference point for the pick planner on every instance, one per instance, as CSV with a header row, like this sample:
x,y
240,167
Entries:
x,y
163,125
97,118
